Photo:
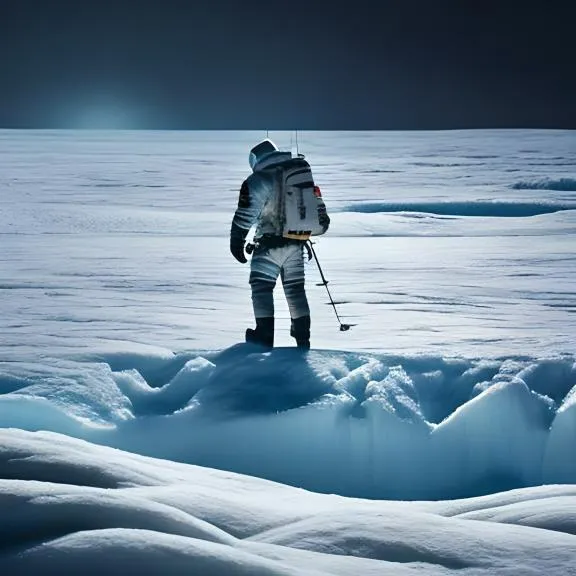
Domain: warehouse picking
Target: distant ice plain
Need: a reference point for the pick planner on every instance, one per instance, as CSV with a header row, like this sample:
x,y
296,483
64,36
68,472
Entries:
x,y
121,237
120,305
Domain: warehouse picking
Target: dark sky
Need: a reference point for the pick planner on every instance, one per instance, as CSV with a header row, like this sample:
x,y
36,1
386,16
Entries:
x,y
257,64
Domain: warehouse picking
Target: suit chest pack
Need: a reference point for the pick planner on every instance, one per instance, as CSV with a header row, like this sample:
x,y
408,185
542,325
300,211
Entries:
x,y
297,199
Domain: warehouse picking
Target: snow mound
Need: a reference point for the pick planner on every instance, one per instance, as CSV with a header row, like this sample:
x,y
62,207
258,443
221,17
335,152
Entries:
x,y
159,517
560,184
493,209
367,425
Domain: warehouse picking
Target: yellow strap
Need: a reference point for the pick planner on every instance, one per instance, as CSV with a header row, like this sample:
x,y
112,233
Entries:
x,y
297,236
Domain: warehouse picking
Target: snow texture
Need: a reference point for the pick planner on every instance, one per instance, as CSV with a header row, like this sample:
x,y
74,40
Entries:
x,y
73,507
121,239
484,209
367,425
121,307
567,184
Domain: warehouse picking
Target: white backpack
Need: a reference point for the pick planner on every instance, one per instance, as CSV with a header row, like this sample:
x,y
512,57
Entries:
x,y
299,201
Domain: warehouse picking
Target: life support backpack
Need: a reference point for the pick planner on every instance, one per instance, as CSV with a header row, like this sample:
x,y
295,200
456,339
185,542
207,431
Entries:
x,y
299,200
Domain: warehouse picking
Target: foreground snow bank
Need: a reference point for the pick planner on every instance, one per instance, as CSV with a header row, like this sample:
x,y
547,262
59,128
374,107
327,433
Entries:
x,y
363,425
69,506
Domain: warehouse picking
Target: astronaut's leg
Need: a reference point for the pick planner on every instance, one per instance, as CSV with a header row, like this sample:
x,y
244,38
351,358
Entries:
x,y
264,271
292,275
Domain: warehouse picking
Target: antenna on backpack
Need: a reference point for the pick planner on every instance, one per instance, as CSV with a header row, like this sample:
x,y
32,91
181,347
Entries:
x,y
297,151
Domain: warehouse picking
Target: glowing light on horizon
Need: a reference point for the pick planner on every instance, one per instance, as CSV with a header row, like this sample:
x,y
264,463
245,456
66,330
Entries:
x,y
104,119
100,111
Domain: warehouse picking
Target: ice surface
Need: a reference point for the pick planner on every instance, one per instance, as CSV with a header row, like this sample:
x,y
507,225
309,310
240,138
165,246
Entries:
x,y
116,237
71,507
368,425
120,306
117,289
484,209
568,184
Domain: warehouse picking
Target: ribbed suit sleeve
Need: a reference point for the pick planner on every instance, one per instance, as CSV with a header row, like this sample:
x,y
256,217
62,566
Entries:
x,y
254,193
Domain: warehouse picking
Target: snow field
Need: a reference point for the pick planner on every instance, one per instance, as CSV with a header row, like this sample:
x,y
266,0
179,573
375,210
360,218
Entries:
x,y
71,506
366,425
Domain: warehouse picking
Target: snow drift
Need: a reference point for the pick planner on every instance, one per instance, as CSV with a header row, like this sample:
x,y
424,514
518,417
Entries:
x,y
560,184
72,507
493,209
366,425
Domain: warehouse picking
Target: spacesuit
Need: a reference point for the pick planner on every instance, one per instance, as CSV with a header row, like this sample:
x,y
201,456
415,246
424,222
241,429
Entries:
x,y
274,254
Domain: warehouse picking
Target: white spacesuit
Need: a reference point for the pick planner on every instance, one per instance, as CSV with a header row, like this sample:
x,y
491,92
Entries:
x,y
278,197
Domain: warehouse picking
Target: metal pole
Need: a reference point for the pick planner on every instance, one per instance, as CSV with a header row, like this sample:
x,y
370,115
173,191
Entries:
x,y
343,327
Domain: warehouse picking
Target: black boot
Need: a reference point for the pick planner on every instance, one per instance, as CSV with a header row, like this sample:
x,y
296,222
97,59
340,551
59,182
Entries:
x,y
301,331
264,333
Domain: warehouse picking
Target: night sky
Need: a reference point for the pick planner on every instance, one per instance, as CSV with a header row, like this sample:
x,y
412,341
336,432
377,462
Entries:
x,y
255,64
